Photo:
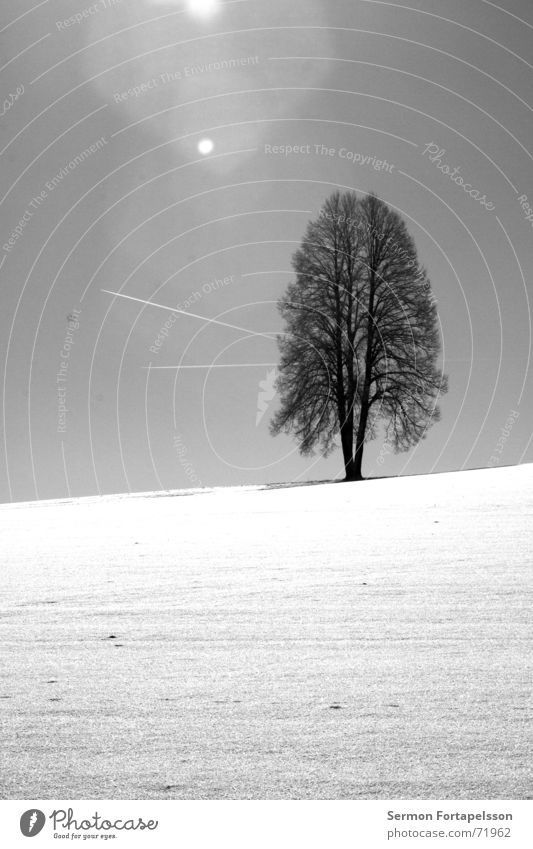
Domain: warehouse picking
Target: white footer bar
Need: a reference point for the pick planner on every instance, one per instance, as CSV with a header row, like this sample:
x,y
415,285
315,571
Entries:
x,y
269,824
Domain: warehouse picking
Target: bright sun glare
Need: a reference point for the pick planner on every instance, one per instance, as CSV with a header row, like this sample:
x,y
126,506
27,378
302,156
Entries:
x,y
202,8
198,8
205,146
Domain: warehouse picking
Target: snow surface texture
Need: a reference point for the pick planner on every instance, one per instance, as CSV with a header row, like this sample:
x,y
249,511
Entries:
x,y
337,641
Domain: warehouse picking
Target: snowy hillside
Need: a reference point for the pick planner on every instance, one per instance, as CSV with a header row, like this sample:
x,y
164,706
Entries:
x,y
333,641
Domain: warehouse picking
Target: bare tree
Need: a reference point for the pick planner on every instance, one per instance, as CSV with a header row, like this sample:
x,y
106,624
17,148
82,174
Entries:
x,y
361,339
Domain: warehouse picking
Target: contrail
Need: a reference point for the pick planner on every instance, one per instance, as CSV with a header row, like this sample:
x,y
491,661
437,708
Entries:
x,y
223,365
191,315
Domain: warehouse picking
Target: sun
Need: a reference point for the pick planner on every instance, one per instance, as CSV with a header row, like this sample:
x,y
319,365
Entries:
x,y
206,146
203,8
198,8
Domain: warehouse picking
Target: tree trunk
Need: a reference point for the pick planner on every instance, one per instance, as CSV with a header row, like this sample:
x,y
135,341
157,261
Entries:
x,y
347,447
358,463
360,441
365,397
351,471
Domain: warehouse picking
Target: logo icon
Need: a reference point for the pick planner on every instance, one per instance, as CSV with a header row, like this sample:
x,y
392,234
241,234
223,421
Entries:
x,y
267,393
32,822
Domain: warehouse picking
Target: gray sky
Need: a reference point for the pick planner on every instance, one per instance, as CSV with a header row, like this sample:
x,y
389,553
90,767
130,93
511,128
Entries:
x,y
104,188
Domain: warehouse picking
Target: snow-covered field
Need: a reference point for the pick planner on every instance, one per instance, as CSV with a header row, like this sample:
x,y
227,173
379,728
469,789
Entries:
x,y
334,641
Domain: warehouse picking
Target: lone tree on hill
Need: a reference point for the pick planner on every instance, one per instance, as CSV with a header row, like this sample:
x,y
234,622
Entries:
x,y
361,339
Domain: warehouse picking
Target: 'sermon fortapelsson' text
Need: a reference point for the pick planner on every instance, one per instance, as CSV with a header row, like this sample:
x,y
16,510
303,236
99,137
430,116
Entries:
x,y
444,815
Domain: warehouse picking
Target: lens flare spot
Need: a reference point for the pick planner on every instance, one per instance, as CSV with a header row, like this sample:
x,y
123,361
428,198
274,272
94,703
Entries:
x,y
203,8
206,146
